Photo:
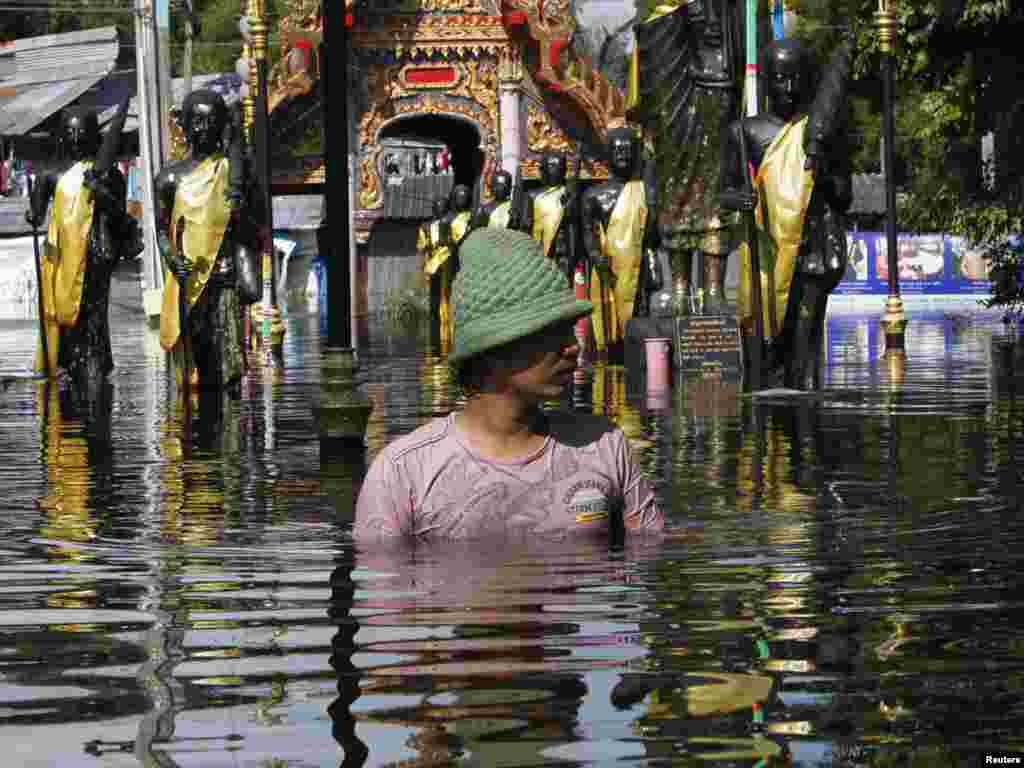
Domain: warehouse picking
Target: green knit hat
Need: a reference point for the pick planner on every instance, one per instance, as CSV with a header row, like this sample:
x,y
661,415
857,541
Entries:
x,y
506,289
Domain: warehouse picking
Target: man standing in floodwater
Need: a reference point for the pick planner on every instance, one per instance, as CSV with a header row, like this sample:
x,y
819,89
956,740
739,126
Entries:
x,y
503,465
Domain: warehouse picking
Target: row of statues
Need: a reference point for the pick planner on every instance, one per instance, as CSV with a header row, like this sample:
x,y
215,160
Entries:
x,y
673,190
785,172
207,236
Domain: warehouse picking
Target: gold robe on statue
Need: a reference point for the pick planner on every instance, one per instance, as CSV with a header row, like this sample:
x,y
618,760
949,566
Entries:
x,y
67,249
500,215
784,190
438,257
547,217
622,243
201,203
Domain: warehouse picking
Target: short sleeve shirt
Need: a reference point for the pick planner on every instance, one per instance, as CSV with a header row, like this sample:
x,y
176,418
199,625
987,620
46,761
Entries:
x,y
431,483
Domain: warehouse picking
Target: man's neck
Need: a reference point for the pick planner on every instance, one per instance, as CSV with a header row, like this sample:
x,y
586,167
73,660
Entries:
x,y
502,425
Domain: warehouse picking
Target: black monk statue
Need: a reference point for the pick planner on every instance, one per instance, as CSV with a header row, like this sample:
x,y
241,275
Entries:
x,y
802,189
620,237
550,214
498,212
209,243
89,231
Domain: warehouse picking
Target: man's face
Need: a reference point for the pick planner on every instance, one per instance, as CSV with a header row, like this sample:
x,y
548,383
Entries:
x,y
501,186
539,366
461,198
553,170
785,83
80,138
620,154
203,128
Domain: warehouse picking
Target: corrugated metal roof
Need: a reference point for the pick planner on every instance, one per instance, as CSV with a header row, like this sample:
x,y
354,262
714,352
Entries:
x,y
414,197
51,71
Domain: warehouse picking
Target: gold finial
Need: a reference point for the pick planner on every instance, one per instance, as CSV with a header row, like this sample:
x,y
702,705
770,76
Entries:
x,y
885,21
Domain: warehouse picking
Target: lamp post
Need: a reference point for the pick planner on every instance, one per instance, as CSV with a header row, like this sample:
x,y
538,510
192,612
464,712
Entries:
x,y
343,412
254,30
894,321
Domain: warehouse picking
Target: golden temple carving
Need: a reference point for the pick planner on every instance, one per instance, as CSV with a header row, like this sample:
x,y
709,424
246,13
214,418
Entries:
x,y
542,135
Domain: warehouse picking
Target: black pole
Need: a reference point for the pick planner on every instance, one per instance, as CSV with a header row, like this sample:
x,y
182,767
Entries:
x,y
889,133
336,197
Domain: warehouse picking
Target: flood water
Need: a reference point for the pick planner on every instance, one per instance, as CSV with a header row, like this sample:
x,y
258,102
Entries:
x,y
846,591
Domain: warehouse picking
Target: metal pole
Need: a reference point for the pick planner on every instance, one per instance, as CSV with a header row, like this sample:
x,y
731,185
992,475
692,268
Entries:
x,y
336,183
149,157
894,321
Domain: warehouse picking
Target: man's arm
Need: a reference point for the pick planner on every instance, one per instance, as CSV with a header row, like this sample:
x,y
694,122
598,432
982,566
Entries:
x,y
640,507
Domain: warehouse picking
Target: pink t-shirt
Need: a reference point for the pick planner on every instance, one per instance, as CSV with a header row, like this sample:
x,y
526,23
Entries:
x,y
430,483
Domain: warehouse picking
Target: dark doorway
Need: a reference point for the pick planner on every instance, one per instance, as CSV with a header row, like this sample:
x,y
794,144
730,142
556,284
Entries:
x,y
460,136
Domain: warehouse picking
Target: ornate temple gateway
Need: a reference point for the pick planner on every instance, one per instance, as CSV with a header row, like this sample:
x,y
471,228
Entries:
x,y
495,81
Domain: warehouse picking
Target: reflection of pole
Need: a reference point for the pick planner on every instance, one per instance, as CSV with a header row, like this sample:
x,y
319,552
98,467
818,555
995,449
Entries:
x,y
343,646
894,321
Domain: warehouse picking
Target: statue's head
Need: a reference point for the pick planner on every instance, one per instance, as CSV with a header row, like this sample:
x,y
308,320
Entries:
x,y
79,133
710,67
787,75
440,207
204,116
501,185
462,198
623,150
553,169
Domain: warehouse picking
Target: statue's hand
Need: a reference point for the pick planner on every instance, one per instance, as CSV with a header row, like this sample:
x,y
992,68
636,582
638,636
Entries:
x,y
739,200
181,270
33,219
815,155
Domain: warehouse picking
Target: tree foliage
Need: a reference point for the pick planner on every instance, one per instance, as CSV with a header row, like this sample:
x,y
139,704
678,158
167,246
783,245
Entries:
x,y
958,78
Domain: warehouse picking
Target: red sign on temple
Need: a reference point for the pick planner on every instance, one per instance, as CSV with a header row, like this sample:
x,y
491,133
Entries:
x,y
430,75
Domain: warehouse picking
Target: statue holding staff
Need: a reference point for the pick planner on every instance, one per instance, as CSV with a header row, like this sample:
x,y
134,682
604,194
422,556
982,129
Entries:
x,y
207,246
90,230
550,213
802,189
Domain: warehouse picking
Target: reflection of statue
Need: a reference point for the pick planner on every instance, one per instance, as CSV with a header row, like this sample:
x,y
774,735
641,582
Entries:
x,y
198,202
498,212
89,232
802,189
616,235
550,214
685,90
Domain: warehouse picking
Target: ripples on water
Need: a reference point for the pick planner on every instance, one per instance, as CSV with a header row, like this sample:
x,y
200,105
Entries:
x,y
847,593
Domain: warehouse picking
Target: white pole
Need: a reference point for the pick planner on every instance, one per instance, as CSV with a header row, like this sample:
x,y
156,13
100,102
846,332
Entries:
x,y
152,268
750,82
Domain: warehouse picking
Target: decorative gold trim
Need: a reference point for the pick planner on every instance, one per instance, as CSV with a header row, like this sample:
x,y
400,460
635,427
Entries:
x,y
447,35
551,25
593,170
542,135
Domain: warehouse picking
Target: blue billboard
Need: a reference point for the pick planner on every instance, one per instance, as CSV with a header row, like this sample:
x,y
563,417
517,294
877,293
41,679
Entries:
x,y
927,264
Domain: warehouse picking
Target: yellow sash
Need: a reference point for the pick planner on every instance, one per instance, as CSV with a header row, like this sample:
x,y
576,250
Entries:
x,y
622,243
500,215
547,216
67,247
438,253
201,203
784,188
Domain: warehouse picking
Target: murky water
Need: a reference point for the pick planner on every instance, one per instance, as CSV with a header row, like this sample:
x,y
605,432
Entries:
x,y
847,593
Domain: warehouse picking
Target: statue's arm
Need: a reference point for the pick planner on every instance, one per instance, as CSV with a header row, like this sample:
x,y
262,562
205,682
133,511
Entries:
x,y
166,188
827,116
734,194
526,224
652,234
591,218
39,200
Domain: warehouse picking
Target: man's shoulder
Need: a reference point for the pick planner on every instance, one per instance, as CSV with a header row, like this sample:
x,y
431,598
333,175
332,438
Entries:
x,y
423,438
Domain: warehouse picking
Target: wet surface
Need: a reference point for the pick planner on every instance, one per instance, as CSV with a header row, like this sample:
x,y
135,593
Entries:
x,y
847,591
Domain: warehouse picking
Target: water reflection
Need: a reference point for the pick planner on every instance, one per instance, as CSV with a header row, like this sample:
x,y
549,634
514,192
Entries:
x,y
846,592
